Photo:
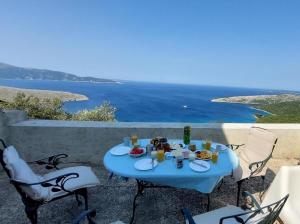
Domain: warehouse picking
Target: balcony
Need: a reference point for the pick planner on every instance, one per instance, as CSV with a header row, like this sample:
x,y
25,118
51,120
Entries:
x,y
87,142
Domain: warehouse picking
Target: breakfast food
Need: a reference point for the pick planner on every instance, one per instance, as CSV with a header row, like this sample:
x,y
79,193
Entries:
x,y
137,151
205,155
161,143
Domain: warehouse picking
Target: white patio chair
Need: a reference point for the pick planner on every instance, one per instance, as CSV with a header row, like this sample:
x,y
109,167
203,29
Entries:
x,y
37,190
287,181
265,213
253,156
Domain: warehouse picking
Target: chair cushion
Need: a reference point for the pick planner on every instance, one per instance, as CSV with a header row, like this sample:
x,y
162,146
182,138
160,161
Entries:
x,y
10,155
213,217
20,171
86,178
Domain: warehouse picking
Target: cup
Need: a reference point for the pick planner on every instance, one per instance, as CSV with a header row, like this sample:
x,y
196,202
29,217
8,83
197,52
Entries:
x,y
160,155
214,157
207,144
153,154
134,139
126,141
192,147
149,149
192,156
185,153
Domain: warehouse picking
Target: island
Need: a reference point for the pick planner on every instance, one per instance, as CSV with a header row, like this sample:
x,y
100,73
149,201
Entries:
x,y
282,108
13,72
7,94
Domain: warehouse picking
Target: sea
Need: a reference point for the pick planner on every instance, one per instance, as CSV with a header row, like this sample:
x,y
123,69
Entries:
x,y
155,102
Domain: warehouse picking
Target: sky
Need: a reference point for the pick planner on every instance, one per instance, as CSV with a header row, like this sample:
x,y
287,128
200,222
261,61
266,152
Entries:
x,y
249,43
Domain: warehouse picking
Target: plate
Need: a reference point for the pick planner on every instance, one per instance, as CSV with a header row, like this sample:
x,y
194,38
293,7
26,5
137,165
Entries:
x,y
120,150
222,147
145,164
199,165
209,152
137,155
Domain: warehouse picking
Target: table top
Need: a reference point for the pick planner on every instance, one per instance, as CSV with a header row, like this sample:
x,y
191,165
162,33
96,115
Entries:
x,y
166,171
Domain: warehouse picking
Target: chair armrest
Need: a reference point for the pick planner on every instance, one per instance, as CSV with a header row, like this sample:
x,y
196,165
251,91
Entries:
x,y
234,146
85,214
50,162
59,184
3,143
257,167
238,217
253,202
187,215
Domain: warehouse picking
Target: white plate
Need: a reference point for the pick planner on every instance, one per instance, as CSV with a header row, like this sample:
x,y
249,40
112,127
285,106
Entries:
x,y
145,164
223,147
199,165
120,150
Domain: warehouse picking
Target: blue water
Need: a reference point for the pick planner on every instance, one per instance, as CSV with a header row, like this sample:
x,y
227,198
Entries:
x,y
151,102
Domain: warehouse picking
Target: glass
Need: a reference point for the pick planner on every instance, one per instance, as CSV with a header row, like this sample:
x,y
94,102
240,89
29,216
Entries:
x,y
134,139
207,145
192,147
126,141
160,155
214,157
153,154
192,156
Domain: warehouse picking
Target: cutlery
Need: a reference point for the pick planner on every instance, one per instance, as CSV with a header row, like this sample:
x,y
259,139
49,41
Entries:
x,y
201,165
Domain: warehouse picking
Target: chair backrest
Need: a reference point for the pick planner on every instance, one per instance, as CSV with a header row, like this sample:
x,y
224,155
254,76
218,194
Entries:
x,y
265,215
286,182
259,146
1,158
19,171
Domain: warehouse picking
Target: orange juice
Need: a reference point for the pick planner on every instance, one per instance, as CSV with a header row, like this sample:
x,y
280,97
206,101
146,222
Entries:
x,y
134,139
207,145
160,155
214,157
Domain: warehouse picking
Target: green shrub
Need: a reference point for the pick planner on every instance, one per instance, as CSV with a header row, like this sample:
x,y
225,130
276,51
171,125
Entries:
x,y
106,112
37,108
52,109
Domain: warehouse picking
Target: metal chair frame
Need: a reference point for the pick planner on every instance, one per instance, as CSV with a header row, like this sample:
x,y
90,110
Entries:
x,y
274,210
255,167
31,205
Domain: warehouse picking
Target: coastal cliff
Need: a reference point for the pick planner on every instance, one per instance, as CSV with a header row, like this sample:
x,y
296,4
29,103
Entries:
x,y
259,99
283,108
7,94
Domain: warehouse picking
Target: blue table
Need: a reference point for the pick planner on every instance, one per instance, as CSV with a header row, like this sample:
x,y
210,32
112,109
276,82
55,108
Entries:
x,y
167,174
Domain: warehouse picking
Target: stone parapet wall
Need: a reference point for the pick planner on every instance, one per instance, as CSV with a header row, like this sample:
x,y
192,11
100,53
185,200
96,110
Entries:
x,y
89,141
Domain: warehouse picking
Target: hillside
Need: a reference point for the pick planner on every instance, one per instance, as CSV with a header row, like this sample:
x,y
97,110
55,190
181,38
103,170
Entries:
x,y
260,99
12,72
7,94
284,108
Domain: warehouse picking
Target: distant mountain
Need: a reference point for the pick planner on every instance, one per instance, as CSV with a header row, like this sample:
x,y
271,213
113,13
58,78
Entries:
x,y
13,72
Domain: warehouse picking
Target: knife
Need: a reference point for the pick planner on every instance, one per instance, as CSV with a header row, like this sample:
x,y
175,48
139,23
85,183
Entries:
x,y
201,165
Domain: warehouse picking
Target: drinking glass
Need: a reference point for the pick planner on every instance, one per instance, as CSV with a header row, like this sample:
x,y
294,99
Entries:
x,y
207,144
160,155
153,154
214,157
126,141
134,139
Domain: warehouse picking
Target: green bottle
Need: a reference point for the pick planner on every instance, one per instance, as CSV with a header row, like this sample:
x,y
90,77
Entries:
x,y
187,135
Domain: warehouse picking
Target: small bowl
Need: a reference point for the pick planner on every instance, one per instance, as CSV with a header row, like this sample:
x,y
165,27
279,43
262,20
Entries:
x,y
137,155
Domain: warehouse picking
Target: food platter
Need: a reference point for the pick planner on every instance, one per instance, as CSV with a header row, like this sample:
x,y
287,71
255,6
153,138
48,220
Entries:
x,y
203,155
137,152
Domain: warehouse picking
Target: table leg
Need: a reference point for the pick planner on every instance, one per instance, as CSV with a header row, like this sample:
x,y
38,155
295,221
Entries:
x,y
208,202
140,190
